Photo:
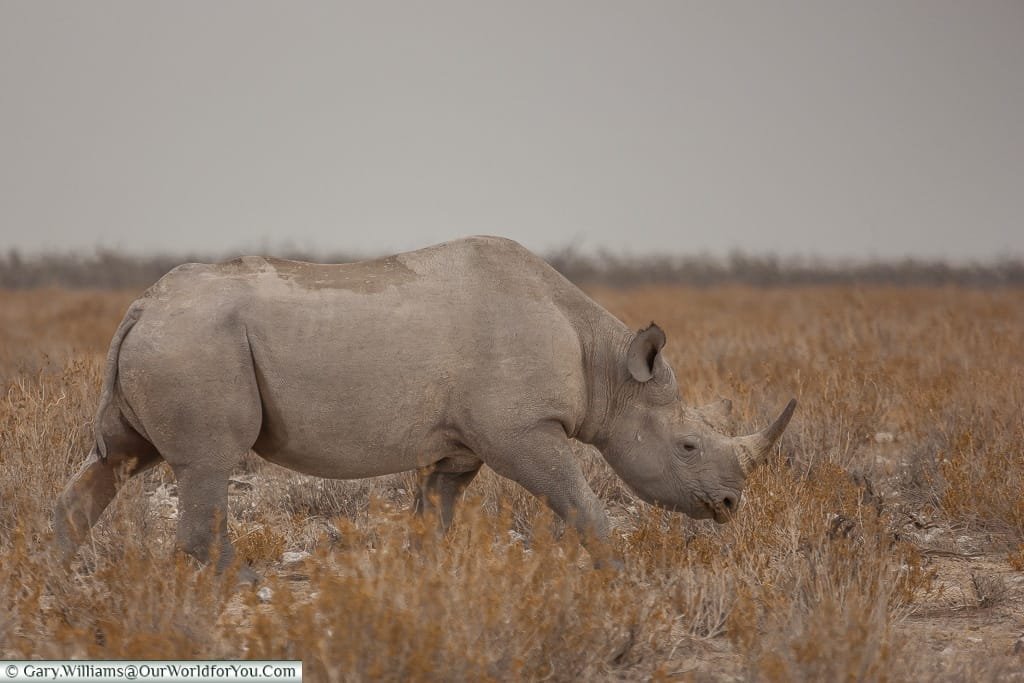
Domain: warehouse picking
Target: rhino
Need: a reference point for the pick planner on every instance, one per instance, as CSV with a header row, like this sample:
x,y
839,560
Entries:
x,y
441,360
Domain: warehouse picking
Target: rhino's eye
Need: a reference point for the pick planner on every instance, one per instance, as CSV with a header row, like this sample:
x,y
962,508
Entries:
x,y
691,444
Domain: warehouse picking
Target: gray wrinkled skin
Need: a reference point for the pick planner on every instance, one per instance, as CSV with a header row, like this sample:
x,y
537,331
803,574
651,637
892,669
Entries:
x,y
441,360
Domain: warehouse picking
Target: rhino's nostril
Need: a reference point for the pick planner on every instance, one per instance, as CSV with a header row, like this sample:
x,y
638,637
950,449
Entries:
x,y
729,502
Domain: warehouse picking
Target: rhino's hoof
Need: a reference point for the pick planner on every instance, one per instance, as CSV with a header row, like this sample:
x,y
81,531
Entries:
x,y
246,576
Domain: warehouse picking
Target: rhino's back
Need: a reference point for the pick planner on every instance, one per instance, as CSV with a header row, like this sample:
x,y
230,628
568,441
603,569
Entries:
x,y
381,365
500,265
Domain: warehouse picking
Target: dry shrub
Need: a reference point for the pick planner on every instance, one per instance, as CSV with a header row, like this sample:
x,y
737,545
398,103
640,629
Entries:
x,y
981,461
817,597
469,607
131,603
1016,558
258,544
44,433
312,496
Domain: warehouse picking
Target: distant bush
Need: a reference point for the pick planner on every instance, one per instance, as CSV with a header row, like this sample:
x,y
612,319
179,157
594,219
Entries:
x,y
107,269
103,268
770,270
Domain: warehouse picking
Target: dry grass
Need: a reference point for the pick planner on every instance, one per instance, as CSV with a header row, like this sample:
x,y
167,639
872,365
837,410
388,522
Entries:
x,y
885,542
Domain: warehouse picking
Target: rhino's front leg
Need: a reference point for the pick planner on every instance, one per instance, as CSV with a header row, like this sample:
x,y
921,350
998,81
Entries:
x,y
541,461
439,487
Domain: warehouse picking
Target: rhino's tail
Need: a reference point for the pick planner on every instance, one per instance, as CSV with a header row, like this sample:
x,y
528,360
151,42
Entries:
x,y
110,376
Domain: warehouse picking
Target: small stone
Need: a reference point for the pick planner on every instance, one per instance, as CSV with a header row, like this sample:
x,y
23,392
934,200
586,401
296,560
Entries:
x,y
333,534
884,437
515,537
165,501
265,594
294,556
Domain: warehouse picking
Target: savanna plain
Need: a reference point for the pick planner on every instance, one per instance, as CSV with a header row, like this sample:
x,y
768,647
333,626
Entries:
x,y
884,540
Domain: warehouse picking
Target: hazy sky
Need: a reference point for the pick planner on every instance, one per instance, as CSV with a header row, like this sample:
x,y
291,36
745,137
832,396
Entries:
x,y
828,128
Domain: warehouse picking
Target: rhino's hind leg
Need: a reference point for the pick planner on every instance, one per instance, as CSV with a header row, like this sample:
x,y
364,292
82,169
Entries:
x,y
440,486
201,406
203,511
89,492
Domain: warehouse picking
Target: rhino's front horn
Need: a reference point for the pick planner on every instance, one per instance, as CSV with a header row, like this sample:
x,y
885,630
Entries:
x,y
754,448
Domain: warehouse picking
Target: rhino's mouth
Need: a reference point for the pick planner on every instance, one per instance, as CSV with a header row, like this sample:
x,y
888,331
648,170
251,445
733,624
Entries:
x,y
704,509
718,512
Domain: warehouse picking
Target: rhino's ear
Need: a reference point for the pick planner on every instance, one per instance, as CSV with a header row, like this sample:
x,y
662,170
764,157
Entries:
x,y
643,352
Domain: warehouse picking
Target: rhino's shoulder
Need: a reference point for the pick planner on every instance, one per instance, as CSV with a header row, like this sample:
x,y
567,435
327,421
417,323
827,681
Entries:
x,y
489,245
497,259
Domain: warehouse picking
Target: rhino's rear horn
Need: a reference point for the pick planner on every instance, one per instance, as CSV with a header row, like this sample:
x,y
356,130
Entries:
x,y
753,449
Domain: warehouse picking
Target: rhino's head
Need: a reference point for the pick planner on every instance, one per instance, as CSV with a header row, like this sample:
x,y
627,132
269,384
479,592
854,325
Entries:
x,y
676,457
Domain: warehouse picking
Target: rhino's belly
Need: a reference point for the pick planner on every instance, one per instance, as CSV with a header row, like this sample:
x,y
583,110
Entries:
x,y
337,465
339,453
